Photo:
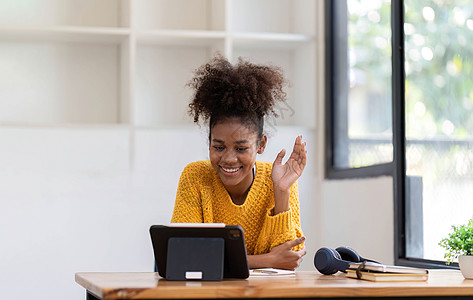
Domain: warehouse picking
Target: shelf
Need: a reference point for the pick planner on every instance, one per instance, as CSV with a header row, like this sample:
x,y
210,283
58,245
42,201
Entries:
x,y
93,35
64,13
270,40
59,83
180,37
277,16
298,66
162,73
127,62
179,14
86,126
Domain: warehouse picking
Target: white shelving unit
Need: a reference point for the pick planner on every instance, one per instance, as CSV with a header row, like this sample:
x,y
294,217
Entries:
x,y
124,64
94,131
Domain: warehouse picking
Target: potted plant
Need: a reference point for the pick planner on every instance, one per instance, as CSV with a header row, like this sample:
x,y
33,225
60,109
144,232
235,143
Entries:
x,y
459,244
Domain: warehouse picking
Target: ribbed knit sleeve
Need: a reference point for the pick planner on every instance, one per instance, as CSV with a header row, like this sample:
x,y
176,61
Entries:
x,y
188,205
283,227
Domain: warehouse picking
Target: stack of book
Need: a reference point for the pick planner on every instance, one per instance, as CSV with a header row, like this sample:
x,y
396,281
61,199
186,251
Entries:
x,y
379,272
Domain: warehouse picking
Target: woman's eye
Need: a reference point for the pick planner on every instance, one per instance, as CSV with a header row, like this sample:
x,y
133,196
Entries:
x,y
242,148
219,148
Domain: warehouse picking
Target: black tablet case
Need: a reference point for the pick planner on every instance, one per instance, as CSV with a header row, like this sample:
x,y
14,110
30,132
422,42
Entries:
x,y
235,263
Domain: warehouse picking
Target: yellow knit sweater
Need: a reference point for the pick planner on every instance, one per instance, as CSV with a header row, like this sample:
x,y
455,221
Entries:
x,y
202,198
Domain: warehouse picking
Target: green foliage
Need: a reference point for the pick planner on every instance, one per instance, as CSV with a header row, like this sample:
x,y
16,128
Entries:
x,y
443,81
459,242
438,64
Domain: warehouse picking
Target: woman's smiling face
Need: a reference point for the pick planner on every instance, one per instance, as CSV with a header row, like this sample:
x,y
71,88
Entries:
x,y
232,153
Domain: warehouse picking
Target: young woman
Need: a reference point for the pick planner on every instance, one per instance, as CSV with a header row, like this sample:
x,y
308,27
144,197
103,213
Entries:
x,y
233,187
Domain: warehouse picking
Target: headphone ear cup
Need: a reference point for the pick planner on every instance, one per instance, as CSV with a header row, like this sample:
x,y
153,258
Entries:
x,y
328,261
323,261
349,254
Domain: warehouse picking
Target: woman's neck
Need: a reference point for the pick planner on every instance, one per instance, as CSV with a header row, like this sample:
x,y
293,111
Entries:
x,y
239,194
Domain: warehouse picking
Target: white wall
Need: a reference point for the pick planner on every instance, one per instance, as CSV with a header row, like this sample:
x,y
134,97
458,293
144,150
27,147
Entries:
x,y
71,203
359,214
82,199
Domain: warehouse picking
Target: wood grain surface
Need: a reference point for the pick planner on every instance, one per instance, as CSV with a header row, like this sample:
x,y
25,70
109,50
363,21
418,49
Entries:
x,y
305,284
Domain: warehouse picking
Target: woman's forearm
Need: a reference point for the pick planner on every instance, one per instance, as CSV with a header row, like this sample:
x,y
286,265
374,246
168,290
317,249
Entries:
x,y
259,261
281,201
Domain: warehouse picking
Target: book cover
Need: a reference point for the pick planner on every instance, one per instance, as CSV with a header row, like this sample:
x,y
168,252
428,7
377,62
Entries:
x,y
383,277
370,266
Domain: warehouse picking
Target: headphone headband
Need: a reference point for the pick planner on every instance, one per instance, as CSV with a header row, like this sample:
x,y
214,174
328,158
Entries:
x,y
329,261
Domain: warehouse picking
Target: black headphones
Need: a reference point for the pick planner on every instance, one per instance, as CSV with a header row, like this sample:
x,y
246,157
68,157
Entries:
x,y
329,261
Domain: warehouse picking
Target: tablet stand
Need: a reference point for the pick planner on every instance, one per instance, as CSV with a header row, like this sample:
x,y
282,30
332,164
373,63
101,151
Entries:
x,y
195,258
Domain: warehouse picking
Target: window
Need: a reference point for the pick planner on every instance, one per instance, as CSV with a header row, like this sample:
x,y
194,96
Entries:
x,y
412,106
439,121
359,56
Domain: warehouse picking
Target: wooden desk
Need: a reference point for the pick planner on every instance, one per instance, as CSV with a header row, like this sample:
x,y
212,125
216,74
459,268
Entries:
x,y
305,284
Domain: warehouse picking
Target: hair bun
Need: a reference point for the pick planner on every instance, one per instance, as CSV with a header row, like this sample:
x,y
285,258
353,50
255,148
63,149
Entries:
x,y
242,90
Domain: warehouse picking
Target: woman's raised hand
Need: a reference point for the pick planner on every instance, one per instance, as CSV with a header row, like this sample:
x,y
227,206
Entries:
x,y
284,175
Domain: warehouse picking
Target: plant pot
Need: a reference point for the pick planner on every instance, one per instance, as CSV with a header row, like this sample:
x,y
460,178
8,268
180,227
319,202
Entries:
x,y
466,265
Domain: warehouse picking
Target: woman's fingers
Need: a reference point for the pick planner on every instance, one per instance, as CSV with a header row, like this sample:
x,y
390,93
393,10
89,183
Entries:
x,y
280,156
297,146
294,243
285,257
299,152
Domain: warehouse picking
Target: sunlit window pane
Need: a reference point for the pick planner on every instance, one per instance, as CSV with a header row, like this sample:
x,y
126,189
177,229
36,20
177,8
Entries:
x,y
363,129
439,121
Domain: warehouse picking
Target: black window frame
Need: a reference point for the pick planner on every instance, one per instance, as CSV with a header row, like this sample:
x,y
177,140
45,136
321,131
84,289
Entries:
x,y
396,168
333,25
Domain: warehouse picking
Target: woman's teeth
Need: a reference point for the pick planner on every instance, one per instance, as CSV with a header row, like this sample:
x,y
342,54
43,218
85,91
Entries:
x,y
230,170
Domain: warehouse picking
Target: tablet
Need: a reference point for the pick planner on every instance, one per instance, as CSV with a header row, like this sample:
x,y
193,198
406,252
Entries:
x,y
235,257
